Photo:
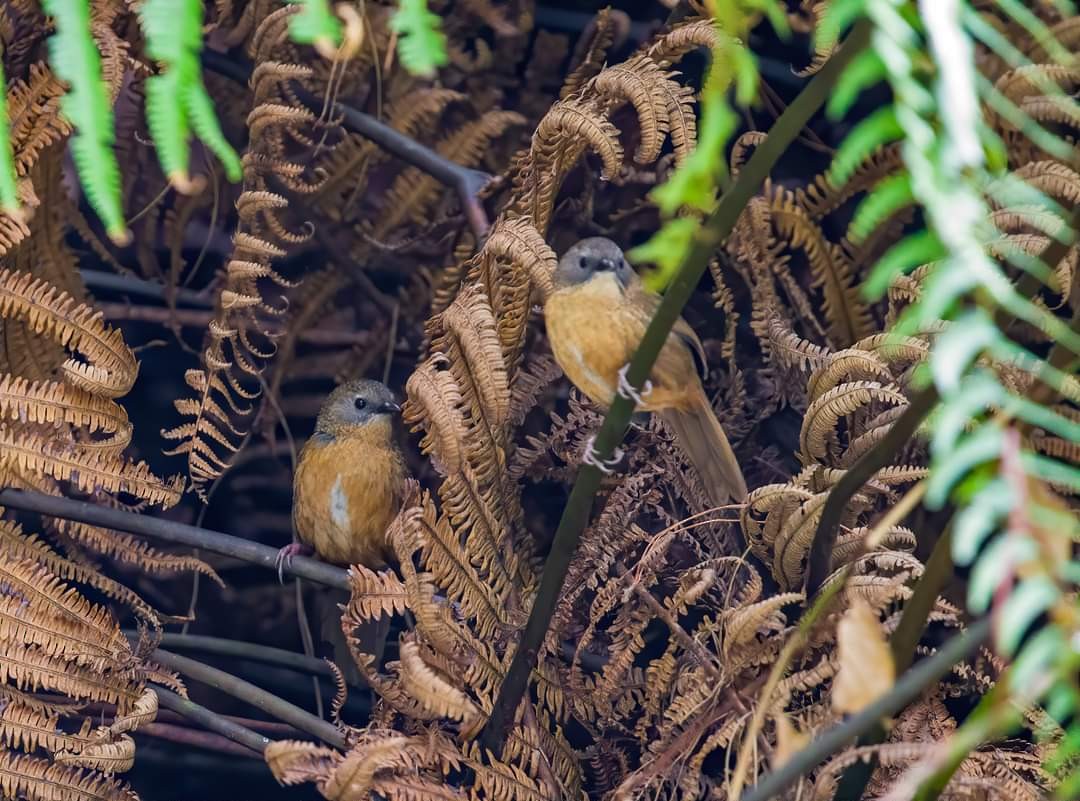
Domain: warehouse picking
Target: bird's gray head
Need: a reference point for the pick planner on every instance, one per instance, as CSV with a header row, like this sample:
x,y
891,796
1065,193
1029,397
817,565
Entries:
x,y
590,257
356,403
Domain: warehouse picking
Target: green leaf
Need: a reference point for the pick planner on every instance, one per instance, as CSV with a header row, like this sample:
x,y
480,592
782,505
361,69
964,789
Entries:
x,y
667,249
421,42
888,196
1051,470
980,391
978,519
315,24
9,193
168,125
994,565
176,99
1035,662
922,247
877,130
982,446
959,345
74,56
865,71
1030,599
200,111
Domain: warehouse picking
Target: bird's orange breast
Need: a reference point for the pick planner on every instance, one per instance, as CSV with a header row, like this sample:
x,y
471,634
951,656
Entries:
x,y
346,492
594,330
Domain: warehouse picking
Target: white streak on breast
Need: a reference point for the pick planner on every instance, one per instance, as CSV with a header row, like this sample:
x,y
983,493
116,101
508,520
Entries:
x,y
339,505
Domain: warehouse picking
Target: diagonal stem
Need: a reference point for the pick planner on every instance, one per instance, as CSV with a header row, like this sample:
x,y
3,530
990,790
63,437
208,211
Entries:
x,y
467,182
714,231
211,720
907,688
256,696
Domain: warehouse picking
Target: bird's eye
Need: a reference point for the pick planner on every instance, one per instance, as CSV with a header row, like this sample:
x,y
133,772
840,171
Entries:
x,y
621,263
583,263
360,403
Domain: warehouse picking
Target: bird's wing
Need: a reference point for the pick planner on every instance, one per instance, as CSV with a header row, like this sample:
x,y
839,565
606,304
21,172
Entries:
x,y
646,304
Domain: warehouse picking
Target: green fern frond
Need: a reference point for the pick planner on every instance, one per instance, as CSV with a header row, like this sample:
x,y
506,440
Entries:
x,y
879,129
176,99
76,60
9,193
887,198
421,42
315,24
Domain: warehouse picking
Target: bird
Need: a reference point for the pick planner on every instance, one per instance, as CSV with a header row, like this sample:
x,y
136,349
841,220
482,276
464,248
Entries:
x,y
595,319
350,478
348,486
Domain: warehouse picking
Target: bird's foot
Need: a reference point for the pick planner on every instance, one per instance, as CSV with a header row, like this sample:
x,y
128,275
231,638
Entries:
x,y
285,555
626,389
593,458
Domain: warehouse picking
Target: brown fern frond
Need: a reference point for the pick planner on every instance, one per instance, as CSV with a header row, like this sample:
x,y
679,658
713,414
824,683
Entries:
x,y
110,367
39,779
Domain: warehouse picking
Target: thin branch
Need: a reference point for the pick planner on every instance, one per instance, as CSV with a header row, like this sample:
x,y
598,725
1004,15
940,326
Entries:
x,y
907,688
715,229
173,532
467,182
256,696
99,279
201,318
206,740
211,720
245,650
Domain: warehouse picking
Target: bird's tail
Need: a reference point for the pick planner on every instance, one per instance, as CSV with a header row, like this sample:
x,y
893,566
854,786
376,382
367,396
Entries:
x,y
700,435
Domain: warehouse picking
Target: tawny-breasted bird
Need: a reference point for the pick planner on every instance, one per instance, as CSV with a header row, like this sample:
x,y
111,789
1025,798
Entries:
x,y
349,485
595,320
350,478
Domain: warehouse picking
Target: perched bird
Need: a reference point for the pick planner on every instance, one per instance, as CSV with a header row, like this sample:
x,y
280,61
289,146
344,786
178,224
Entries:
x,y
349,485
595,320
350,478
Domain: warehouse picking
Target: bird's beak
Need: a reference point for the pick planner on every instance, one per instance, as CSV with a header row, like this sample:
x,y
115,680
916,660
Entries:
x,y
389,407
606,264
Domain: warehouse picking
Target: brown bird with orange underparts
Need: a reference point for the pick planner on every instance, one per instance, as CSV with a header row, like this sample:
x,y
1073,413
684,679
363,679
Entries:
x,y
350,478
596,318
349,485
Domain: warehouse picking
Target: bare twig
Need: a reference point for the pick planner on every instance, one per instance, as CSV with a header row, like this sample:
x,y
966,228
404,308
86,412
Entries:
x,y
200,318
832,740
256,696
99,279
209,741
245,650
467,182
171,531
211,720
715,229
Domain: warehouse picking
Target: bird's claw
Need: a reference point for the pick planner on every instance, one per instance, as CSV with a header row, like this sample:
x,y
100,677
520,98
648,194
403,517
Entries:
x,y
626,389
593,458
285,556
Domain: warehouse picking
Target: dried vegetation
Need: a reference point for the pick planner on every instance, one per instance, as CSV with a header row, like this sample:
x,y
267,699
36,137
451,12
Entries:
x,y
667,628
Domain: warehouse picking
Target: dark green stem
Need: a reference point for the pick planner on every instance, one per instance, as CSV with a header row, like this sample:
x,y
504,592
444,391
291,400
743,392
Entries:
x,y
211,721
907,688
712,233
274,706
